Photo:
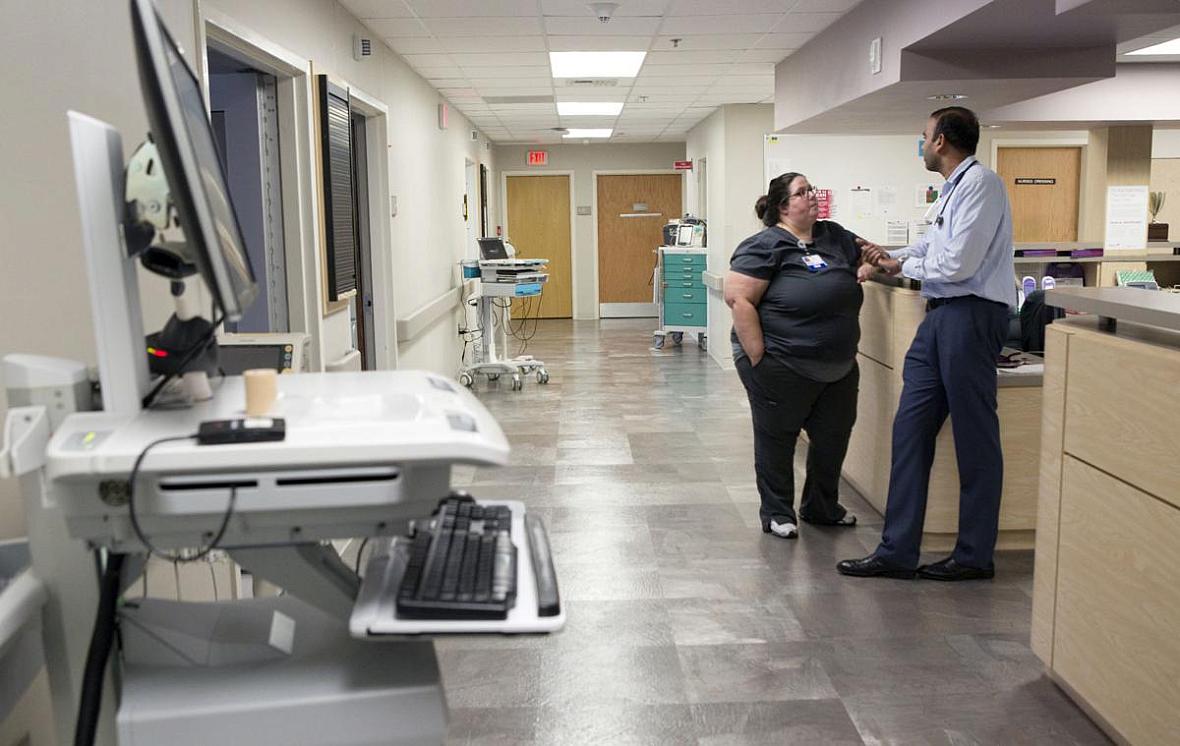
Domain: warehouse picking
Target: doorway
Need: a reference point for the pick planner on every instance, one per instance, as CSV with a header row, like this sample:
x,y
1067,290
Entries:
x,y
470,211
1043,186
363,323
632,211
538,224
243,112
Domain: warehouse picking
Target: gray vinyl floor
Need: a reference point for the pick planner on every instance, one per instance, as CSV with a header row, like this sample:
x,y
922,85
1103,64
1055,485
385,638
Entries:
x,y
687,625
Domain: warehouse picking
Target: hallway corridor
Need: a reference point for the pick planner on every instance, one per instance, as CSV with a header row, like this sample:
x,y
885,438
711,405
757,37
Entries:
x,y
689,625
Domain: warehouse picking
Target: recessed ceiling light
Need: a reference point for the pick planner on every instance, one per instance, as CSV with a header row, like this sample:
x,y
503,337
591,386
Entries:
x,y
992,126
1167,47
575,133
589,108
947,97
596,64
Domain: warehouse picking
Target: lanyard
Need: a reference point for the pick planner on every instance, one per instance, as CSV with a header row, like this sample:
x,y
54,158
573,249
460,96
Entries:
x,y
946,196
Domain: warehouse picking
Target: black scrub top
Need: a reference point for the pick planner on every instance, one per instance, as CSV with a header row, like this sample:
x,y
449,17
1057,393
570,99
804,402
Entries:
x,y
810,320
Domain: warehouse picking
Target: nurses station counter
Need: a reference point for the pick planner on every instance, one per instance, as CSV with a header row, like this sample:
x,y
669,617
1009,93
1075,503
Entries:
x,y
889,319
1106,589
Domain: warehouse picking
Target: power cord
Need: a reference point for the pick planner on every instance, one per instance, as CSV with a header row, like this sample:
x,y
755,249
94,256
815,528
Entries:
x,y
139,533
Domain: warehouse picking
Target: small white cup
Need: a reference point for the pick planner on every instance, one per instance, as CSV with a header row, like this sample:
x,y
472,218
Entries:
x,y
262,389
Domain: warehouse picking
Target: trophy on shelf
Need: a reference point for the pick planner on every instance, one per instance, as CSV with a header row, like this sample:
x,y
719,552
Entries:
x,y
1155,203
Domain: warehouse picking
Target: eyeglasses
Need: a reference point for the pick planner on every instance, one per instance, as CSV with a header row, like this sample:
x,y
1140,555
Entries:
x,y
809,191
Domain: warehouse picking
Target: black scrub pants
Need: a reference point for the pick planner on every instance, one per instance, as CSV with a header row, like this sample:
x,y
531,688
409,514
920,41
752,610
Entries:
x,y
783,403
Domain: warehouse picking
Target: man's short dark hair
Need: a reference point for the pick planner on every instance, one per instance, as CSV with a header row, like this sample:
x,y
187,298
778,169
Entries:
x,y
959,126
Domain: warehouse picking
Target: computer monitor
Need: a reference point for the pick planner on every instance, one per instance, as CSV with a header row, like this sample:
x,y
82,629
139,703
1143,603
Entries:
x,y
492,248
684,234
184,139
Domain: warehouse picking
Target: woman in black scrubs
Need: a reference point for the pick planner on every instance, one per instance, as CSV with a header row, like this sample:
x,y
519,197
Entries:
x,y
795,294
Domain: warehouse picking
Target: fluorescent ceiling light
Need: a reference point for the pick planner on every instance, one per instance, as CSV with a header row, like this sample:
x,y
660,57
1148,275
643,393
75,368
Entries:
x,y
1167,47
947,97
596,64
589,108
575,133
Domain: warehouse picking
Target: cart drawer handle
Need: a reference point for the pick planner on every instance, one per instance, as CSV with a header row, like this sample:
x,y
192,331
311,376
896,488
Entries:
x,y
686,315
687,295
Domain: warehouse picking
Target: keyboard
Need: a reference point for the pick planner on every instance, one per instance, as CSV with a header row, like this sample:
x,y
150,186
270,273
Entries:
x,y
462,565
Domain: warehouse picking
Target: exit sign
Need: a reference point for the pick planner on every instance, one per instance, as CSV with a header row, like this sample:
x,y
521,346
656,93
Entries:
x,y
538,158
682,165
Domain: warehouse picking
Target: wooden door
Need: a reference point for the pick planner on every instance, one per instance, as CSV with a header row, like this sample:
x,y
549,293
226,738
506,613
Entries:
x,y
538,210
632,211
1043,186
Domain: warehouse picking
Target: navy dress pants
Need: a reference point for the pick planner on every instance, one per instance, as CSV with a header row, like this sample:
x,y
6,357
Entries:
x,y
950,369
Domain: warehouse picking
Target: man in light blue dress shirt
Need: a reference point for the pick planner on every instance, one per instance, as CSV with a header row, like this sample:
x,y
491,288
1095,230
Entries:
x,y
965,265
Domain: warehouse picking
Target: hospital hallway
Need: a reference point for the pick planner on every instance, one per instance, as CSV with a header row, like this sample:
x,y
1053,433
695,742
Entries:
x,y
687,624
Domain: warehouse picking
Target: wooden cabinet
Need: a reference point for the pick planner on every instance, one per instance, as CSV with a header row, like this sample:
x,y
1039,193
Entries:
x,y
1106,591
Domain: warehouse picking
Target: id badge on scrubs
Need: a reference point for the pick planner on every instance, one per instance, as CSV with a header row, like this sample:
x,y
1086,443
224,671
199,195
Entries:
x,y
814,262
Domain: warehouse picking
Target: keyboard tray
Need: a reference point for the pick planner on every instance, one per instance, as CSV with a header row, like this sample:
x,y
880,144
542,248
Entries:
x,y
375,613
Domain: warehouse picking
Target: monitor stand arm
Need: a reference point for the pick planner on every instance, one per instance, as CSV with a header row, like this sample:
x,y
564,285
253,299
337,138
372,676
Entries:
x,y
312,572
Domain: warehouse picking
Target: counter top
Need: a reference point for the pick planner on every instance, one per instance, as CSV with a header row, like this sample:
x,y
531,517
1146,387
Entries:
x,y
1138,306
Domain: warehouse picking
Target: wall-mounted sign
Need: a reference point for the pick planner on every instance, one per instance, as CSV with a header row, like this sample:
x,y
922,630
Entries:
x,y
538,158
682,165
1036,182
824,198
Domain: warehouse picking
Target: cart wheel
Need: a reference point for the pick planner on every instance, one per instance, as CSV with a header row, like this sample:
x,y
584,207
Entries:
x,y
677,337
493,376
466,379
703,342
517,383
542,376
657,342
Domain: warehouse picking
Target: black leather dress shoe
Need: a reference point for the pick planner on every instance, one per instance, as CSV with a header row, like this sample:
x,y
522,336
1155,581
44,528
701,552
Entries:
x,y
873,567
949,569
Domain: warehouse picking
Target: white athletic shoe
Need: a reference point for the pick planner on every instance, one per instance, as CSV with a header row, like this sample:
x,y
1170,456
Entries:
x,y
785,530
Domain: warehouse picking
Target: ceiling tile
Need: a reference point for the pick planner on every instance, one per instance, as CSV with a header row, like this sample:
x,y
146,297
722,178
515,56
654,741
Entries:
x,y
578,9
523,71
450,83
415,45
783,41
390,28
532,82
806,22
716,8
815,6
479,44
558,43
500,59
590,94
438,73
591,27
365,9
688,57
720,41
462,8
773,56
483,26
423,61
721,24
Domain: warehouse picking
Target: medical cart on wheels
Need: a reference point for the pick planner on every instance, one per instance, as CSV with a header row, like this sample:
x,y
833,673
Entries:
x,y
501,280
335,456
681,295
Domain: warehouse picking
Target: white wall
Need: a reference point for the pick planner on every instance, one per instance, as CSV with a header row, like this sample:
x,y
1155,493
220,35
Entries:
x,y
731,142
1165,143
44,298
584,160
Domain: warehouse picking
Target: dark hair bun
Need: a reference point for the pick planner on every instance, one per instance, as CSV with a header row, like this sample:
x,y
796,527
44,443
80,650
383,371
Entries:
x,y
760,206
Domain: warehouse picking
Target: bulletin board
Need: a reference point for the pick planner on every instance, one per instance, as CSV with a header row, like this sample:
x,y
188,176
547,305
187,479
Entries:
x,y
878,185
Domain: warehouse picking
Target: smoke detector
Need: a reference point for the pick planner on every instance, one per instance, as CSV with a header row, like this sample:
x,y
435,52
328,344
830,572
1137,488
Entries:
x,y
603,11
